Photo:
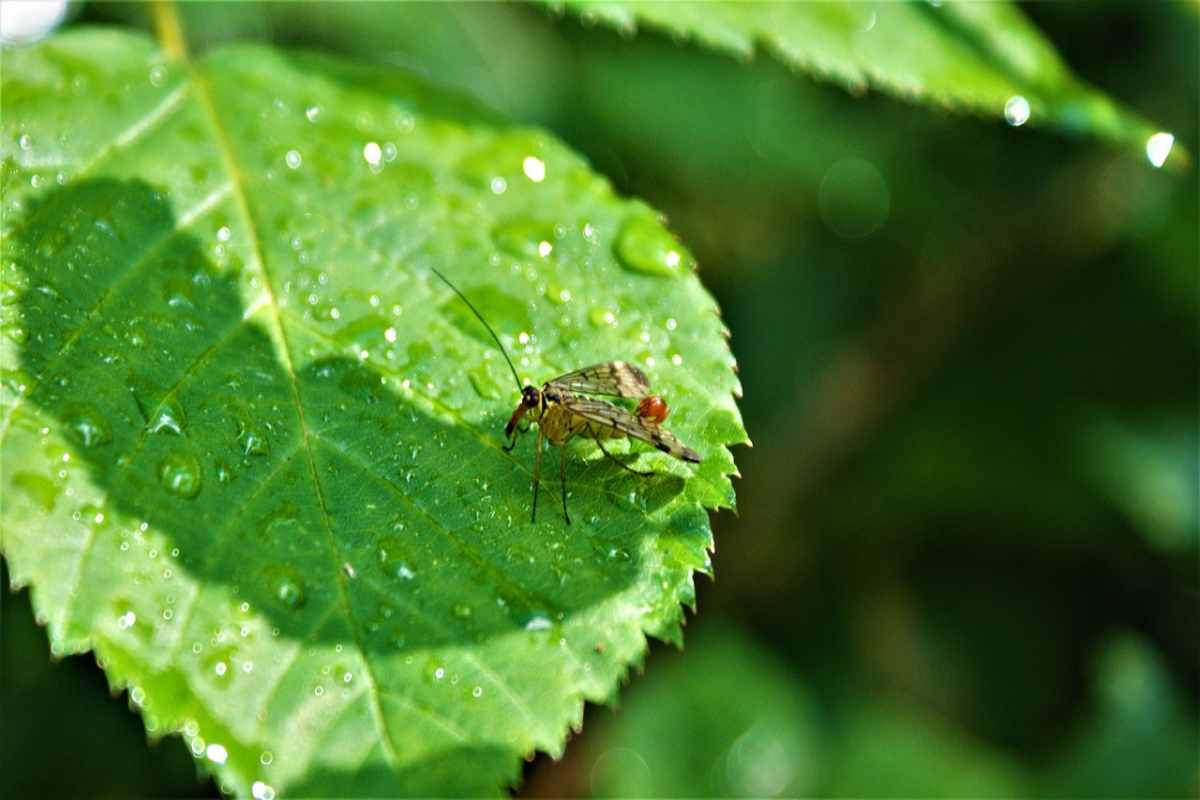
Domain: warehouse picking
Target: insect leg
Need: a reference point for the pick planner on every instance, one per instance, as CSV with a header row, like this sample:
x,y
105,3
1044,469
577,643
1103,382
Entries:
x,y
562,479
618,463
508,448
537,475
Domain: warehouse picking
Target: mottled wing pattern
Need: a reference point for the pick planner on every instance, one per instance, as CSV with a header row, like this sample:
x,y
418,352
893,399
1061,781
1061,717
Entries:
x,y
613,378
620,420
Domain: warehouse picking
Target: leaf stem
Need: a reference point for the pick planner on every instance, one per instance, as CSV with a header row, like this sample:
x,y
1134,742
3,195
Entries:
x,y
168,30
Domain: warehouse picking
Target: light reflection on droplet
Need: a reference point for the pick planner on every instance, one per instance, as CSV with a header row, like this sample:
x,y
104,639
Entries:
x,y
293,159
262,791
1016,111
544,249
22,23
216,753
499,185
126,620
373,154
534,169
1158,147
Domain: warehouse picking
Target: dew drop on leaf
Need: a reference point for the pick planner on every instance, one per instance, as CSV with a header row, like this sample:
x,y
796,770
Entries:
x,y
179,474
643,245
87,425
286,586
524,238
390,552
168,417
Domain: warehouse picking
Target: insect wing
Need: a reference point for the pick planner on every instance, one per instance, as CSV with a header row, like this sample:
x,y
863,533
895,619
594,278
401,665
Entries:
x,y
608,415
613,378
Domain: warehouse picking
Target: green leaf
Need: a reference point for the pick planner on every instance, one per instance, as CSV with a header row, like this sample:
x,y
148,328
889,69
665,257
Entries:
x,y
981,58
253,448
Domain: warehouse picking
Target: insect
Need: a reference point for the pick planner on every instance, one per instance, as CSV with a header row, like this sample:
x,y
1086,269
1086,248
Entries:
x,y
570,406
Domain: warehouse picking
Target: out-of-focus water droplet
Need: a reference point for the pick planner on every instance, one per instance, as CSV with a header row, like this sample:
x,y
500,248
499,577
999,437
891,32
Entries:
x,y
643,245
854,200
483,382
179,474
262,791
286,586
372,154
1016,111
293,159
534,168
524,238
216,753
312,113
602,317
158,76
1158,148
87,425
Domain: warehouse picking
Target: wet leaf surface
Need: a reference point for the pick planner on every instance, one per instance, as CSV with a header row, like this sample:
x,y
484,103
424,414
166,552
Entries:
x,y
252,446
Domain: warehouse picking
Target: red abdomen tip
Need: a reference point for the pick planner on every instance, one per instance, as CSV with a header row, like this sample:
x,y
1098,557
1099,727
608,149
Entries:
x,y
653,408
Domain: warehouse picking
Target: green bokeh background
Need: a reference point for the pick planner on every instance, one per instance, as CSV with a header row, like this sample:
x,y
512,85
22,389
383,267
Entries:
x,y
966,557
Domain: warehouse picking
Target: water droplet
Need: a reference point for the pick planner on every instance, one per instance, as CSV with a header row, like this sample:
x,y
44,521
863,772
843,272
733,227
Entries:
x,y
1158,148
534,168
524,238
168,416
179,473
477,692
292,159
286,586
391,559
312,112
484,382
643,245
87,425
372,154
126,620
1016,111
602,317
158,76
216,753
262,791
538,621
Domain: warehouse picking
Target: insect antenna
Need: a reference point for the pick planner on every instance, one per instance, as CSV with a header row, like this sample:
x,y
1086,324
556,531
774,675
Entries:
x,y
479,316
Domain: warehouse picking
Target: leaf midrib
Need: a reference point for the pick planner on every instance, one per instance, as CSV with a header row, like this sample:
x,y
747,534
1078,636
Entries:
x,y
234,172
